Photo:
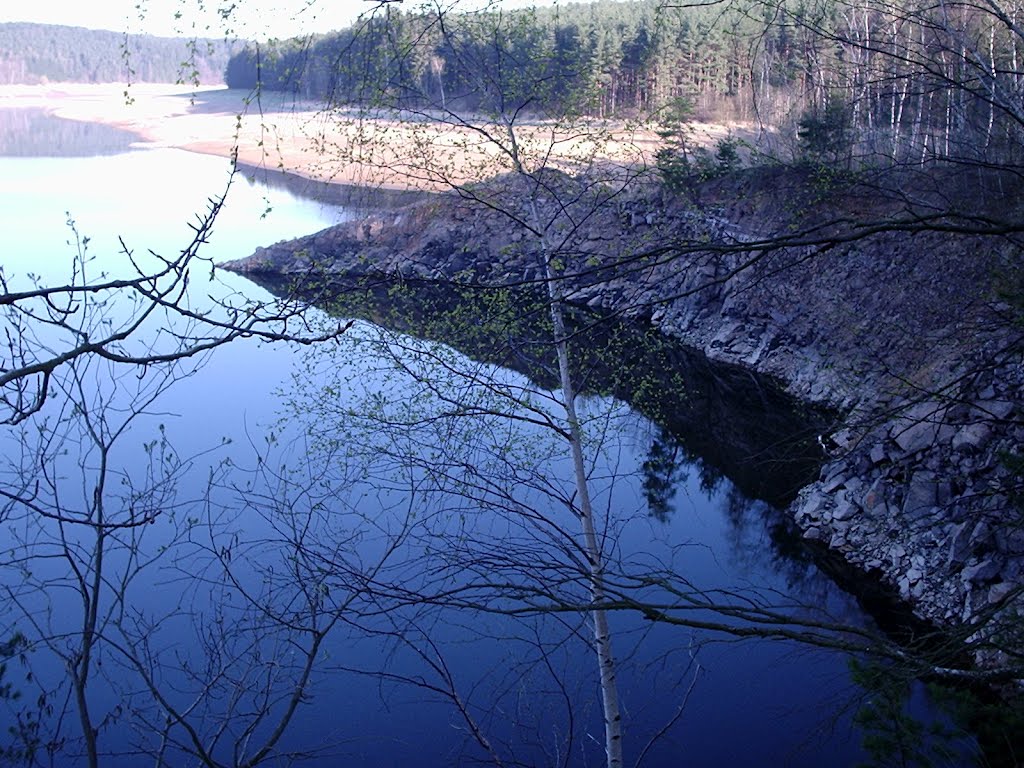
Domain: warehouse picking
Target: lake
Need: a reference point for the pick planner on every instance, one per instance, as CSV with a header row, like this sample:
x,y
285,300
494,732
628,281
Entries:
x,y
308,542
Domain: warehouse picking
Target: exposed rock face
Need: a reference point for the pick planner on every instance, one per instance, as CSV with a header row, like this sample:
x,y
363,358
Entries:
x,y
899,328
926,500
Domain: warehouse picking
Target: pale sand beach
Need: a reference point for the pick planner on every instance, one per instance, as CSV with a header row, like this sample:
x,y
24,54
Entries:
x,y
279,133
269,133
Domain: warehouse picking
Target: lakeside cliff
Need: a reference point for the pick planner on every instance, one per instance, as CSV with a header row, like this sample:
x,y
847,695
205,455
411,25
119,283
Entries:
x,y
850,294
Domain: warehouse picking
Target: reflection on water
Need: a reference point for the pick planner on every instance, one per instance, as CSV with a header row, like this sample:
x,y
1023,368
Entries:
x,y
719,440
314,555
349,196
715,419
36,133
116,205
466,451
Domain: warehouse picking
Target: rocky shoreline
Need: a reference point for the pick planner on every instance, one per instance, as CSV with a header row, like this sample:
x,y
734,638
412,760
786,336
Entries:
x,y
901,329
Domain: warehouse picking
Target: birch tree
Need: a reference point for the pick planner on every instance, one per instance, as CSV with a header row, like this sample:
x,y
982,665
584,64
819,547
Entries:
x,y
549,178
505,105
147,611
44,331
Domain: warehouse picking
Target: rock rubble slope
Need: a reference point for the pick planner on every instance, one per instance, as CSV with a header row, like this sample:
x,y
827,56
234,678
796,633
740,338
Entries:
x,y
856,297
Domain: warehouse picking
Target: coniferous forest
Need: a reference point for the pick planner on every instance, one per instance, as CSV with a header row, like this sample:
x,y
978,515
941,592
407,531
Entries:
x,y
38,53
906,82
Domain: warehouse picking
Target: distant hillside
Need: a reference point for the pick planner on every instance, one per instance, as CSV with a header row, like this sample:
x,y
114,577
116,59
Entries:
x,y
38,53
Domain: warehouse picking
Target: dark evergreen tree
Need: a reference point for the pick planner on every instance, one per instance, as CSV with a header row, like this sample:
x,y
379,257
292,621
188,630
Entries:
x,y
35,53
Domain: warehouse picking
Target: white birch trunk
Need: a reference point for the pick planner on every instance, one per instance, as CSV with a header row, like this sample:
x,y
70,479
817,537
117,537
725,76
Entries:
x,y
599,618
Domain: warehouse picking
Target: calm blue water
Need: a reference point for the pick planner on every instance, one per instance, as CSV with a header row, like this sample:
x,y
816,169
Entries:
x,y
279,461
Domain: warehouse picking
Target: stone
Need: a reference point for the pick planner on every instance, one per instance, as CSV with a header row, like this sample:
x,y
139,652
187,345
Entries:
x,y
835,480
959,545
845,510
921,494
878,453
1013,540
874,501
980,572
914,575
914,438
843,439
811,509
967,613
846,505
896,555
1014,571
981,534
998,592
813,533
918,428
863,465
760,345
855,489
922,517
904,587
972,438
727,335
994,409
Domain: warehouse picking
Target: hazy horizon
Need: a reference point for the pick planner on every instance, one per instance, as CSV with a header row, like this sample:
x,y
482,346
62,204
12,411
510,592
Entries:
x,y
244,19
248,19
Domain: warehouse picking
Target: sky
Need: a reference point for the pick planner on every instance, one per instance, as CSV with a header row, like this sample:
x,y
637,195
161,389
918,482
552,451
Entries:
x,y
249,19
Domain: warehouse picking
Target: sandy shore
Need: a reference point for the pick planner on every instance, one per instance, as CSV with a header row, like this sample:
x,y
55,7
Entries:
x,y
282,134
263,134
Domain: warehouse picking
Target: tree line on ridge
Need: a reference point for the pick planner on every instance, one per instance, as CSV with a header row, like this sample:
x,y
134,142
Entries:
x,y
39,53
904,82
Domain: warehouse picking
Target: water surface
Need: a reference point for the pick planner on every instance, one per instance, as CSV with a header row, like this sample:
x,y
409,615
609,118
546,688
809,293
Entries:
x,y
529,683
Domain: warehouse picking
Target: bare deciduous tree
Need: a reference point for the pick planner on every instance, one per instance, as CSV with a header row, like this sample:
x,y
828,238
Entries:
x,y
46,327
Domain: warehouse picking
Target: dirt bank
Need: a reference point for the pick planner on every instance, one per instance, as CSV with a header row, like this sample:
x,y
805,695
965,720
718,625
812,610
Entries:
x,y
277,132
